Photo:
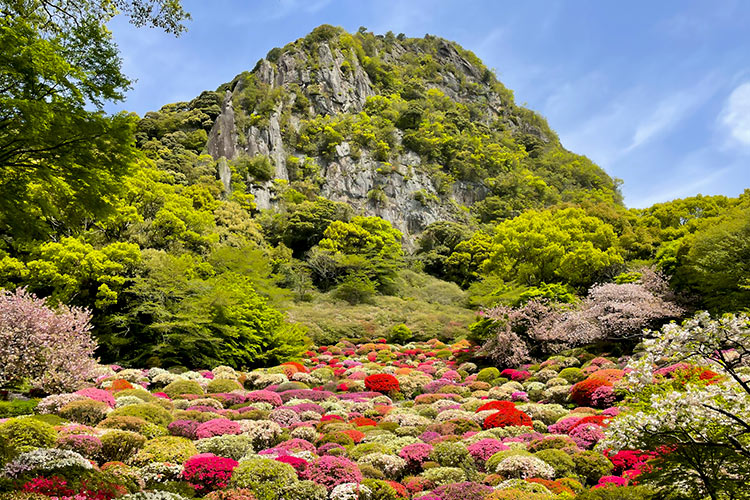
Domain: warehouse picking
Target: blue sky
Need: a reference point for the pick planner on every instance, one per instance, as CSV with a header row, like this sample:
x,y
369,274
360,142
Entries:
x,y
656,92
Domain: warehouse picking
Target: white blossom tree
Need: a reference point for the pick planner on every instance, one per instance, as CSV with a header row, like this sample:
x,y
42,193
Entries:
x,y
700,424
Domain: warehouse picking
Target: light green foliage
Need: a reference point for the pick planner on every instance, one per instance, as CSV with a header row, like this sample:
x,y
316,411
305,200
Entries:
x,y
714,262
166,449
400,334
20,435
266,478
151,412
555,246
179,387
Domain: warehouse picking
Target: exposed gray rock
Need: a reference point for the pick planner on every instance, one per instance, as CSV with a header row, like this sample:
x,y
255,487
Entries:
x,y
402,193
222,140
225,175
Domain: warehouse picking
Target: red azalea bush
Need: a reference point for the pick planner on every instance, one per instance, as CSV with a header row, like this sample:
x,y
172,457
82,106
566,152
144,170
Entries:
x,y
382,382
509,417
582,392
207,472
497,405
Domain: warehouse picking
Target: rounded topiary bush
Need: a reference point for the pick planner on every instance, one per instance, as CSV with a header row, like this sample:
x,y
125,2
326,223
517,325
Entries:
x,y
558,460
220,385
330,471
179,387
305,490
149,412
381,382
591,466
85,411
488,374
207,472
231,494
166,449
266,478
119,445
20,435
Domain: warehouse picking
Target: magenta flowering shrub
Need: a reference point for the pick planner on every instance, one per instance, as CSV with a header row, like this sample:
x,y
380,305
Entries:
x,y
98,395
217,427
463,491
564,425
331,471
306,394
416,454
483,449
207,472
263,396
88,446
603,396
587,435
53,349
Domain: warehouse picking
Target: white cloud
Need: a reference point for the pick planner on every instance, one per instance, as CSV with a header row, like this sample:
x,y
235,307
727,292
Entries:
x,y
736,114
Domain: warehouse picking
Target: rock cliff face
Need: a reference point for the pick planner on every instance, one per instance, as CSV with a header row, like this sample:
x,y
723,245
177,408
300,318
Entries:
x,y
406,196
413,130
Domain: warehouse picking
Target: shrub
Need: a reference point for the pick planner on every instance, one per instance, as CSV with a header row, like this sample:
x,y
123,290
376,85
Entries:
x,y
52,349
591,466
572,374
120,446
87,446
582,392
217,427
231,494
166,449
20,435
85,411
17,407
399,334
180,387
355,289
558,460
382,382
522,467
207,472
305,490
488,374
230,446
222,385
621,493
149,412
463,491
266,478
509,417
331,471
452,455
444,475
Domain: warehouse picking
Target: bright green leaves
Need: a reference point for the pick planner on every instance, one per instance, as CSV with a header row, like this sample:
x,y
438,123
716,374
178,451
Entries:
x,y
183,311
74,272
554,246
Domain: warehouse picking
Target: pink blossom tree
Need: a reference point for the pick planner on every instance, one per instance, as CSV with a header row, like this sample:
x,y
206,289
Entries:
x,y
51,349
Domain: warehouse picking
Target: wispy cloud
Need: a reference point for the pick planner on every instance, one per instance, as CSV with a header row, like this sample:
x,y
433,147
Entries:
x,y
670,111
736,114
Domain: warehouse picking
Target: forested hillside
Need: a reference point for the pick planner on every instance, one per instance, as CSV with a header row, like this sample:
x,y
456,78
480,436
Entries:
x,y
394,175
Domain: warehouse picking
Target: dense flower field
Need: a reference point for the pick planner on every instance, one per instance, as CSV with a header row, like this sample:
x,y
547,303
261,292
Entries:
x,y
374,421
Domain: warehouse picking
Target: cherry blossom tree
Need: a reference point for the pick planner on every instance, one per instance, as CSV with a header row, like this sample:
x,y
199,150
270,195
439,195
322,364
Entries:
x,y
52,349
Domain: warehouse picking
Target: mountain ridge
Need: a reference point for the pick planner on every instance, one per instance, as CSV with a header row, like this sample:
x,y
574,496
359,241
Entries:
x,y
412,130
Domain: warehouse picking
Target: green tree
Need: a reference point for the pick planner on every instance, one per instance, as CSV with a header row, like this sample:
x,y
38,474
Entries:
x,y
59,160
551,246
714,262
180,311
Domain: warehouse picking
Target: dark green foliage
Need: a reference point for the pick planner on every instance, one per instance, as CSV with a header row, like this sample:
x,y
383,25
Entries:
x,y
355,289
